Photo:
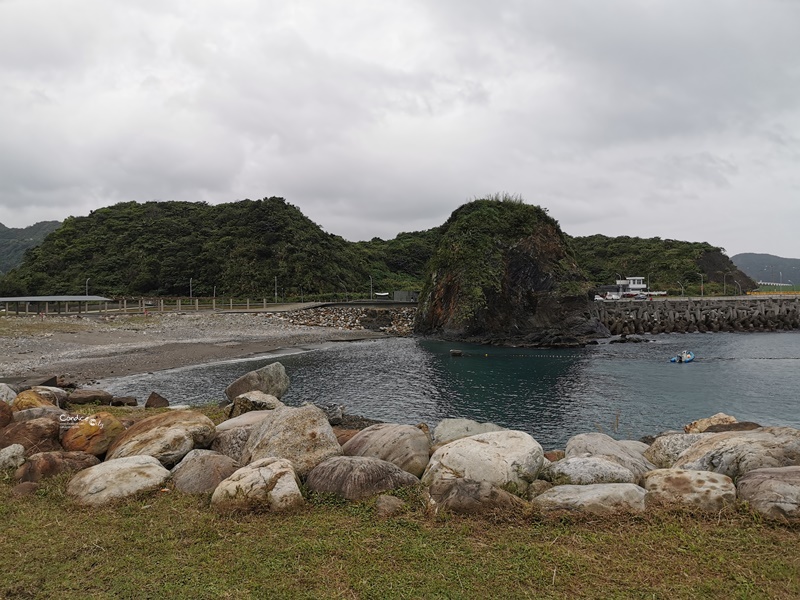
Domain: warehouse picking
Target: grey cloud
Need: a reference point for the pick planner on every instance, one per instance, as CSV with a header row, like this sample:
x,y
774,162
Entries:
x,y
377,117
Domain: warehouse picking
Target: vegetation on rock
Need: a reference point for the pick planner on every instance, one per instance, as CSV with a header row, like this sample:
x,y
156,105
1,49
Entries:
x,y
502,270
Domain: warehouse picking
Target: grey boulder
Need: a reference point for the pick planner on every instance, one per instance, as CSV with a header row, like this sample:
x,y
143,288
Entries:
x,y
201,471
271,379
117,479
357,477
406,446
773,492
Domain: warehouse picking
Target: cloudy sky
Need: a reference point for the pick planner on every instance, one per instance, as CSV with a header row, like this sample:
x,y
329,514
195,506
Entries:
x,y
670,118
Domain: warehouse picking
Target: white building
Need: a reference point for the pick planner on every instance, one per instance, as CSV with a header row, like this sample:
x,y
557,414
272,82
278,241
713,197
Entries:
x,y
632,285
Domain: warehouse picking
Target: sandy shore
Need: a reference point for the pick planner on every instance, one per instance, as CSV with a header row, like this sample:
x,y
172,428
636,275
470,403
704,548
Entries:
x,y
84,350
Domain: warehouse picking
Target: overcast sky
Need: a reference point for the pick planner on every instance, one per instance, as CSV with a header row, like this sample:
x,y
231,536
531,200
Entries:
x,y
670,118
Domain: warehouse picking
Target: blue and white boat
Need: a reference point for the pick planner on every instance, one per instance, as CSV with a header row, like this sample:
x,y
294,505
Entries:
x,y
684,357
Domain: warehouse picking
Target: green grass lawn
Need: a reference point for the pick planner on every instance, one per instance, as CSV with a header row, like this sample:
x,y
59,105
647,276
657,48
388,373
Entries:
x,y
169,545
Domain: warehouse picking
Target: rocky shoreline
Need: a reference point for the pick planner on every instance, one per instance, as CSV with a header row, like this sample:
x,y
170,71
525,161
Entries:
x,y
262,454
265,456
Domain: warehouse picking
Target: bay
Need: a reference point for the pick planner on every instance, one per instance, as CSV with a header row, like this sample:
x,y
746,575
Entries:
x,y
625,390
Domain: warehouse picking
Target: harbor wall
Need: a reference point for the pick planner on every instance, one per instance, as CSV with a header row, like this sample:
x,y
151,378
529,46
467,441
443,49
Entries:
x,y
688,315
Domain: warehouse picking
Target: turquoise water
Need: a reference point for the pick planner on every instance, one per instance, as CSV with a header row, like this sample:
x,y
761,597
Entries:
x,y
624,390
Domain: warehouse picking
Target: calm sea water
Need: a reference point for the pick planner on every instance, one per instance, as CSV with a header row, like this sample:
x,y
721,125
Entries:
x,y
624,390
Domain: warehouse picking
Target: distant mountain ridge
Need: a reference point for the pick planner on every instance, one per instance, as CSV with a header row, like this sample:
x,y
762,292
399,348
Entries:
x,y
768,267
15,241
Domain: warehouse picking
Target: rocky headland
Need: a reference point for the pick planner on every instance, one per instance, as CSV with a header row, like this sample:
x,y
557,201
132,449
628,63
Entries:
x,y
503,273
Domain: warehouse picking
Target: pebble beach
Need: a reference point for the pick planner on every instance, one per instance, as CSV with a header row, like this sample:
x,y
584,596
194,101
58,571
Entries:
x,y
82,350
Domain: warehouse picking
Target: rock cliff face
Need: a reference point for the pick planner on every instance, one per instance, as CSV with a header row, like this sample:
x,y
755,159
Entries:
x,y
503,273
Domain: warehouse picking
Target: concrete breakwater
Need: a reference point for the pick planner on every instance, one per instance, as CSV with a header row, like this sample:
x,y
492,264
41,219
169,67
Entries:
x,y
689,315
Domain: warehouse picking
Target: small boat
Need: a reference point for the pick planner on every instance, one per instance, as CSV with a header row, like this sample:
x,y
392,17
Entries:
x,y
683,357
456,353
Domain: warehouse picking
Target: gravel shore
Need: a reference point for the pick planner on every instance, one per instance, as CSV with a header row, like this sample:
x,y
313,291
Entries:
x,y
81,350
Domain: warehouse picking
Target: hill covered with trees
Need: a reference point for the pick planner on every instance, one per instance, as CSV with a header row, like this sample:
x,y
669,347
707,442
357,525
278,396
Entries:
x,y
15,242
668,265
245,248
250,247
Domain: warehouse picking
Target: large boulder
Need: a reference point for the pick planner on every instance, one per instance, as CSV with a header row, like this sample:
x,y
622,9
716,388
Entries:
x,y
7,393
602,445
12,456
32,399
90,396
254,400
701,425
56,395
586,470
406,446
697,489
92,434
357,477
773,492
6,414
301,435
201,471
248,419
116,479
271,379
49,464
36,435
666,449
508,459
466,496
449,430
737,452
231,442
599,498
266,484
167,436
51,412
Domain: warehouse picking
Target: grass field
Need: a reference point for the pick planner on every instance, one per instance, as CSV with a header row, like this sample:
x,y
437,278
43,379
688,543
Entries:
x,y
170,545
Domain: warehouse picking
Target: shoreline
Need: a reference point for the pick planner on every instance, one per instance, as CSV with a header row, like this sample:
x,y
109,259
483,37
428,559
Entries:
x,y
82,351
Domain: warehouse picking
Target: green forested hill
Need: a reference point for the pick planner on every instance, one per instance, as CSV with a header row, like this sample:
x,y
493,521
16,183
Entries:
x,y
240,248
228,249
14,242
667,264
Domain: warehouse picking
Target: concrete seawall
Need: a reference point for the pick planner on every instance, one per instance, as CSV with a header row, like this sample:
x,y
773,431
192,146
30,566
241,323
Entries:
x,y
687,315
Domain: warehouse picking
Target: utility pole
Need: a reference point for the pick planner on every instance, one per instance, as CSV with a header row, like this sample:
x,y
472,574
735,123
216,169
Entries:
x,y
370,287
276,289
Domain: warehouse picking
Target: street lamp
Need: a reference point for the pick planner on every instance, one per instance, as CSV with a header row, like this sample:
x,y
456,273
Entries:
x,y
682,291
701,283
87,286
370,287
190,287
739,286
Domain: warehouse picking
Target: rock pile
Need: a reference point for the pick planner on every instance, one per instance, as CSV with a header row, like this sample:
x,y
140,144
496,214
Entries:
x,y
263,457
393,321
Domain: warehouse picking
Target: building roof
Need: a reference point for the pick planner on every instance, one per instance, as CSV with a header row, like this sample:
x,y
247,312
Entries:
x,y
55,299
